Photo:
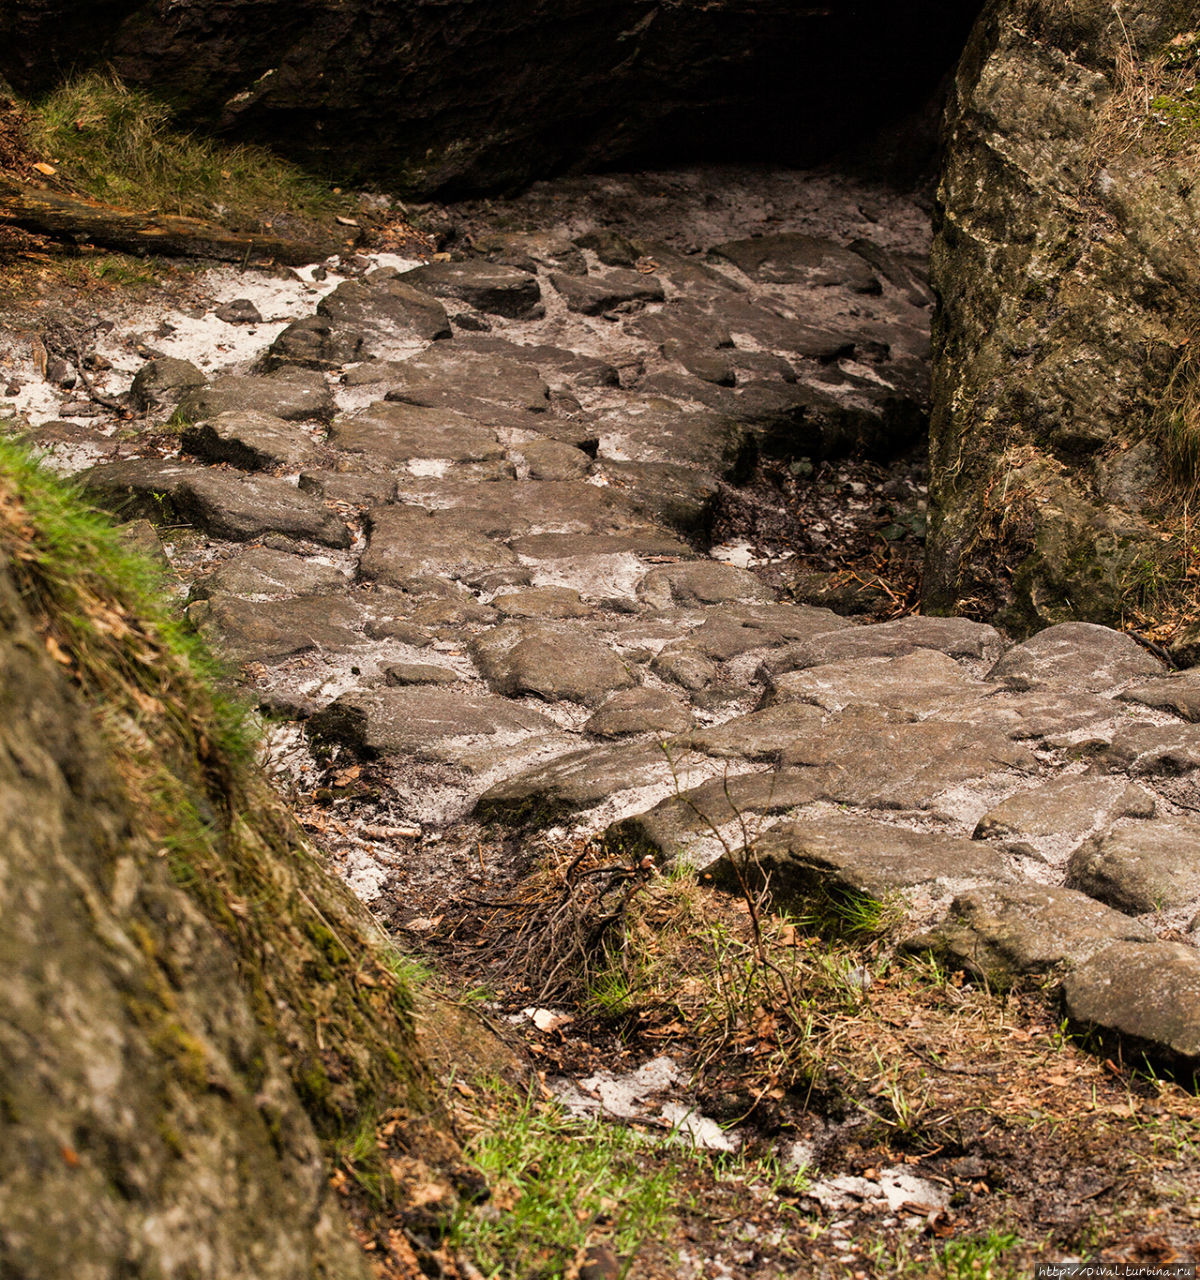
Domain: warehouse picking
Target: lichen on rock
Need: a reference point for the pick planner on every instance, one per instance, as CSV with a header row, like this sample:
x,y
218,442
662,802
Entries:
x,y
1067,266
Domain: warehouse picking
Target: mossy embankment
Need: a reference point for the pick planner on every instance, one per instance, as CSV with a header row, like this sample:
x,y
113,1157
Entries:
x,y
195,1013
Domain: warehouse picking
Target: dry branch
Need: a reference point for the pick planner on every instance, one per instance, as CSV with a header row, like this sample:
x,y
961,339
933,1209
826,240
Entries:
x,y
67,217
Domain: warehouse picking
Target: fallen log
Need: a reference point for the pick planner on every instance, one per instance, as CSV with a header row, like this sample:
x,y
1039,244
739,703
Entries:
x,y
74,218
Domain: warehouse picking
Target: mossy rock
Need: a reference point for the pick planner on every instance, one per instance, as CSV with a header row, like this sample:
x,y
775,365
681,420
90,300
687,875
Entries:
x,y
171,1075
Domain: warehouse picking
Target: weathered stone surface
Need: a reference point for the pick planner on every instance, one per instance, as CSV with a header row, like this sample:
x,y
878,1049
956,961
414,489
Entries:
x,y
295,395
160,1019
1004,932
685,667
354,487
762,735
847,853
357,320
518,508
222,503
265,631
542,602
1054,348
421,722
262,573
700,825
657,433
682,322
1078,656
554,663
398,433
408,542
956,637
553,460
799,259
1179,692
1146,866
399,674
384,306
1070,808
252,441
921,680
559,366
701,582
500,290
591,547
161,382
639,710
593,295
542,795
1150,749
1148,993
449,372
869,762
667,493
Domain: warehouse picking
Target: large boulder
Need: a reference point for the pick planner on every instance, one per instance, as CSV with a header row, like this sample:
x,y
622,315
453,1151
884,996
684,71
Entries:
x,y
1067,263
456,94
192,1010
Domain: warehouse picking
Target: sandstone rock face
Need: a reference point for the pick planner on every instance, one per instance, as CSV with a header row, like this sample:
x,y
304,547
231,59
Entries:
x,y
1055,345
435,95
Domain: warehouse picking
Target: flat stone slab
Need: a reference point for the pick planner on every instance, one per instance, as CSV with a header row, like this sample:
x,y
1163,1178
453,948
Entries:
x,y
702,582
265,574
1150,749
407,542
761,735
542,602
384,307
873,763
1140,867
555,663
1079,656
394,434
919,681
1147,993
848,853
955,637
451,368
561,368
639,710
593,295
399,674
636,432
580,780
702,824
252,441
295,395
580,547
1070,808
490,287
1005,932
519,508
553,460
270,630
667,493
799,259
224,504
422,722
1178,692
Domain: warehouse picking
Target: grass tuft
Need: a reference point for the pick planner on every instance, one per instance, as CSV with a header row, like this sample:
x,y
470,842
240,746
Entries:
x,y
121,146
559,1184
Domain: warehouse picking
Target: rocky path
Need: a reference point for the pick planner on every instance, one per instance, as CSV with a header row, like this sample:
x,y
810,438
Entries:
x,y
453,523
